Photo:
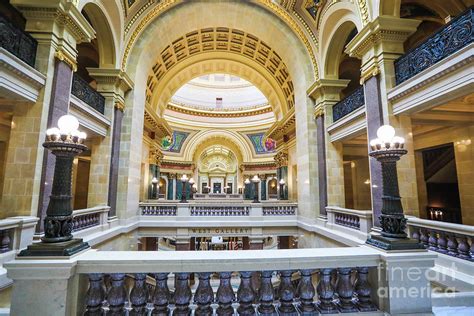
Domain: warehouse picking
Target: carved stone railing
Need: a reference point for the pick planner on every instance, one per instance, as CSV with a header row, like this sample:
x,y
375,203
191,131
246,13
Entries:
x,y
349,104
230,208
351,219
454,240
201,196
83,91
279,210
213,210
452,37
151,209
89,217
17,42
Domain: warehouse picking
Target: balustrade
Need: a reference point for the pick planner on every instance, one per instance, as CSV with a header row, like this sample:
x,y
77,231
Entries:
x,y
83,91
349,104
5,240
330,297
446,238
348,220
89,217
220,210
17,42
279,210
158,210
449,39
356,220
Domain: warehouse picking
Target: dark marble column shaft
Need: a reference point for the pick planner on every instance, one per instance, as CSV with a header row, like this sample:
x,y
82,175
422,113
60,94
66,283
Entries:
x,y
322,173
114,161
374,115
58,106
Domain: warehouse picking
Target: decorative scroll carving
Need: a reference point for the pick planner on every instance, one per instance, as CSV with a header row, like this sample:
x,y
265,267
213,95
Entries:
x,y
83,91
281,159
451,38
349,104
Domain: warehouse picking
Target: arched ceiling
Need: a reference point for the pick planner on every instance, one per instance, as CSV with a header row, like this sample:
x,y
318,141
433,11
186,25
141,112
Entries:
x,y
223,42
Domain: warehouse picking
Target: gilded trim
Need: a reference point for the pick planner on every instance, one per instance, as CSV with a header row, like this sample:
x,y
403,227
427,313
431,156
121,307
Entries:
x,y
64,56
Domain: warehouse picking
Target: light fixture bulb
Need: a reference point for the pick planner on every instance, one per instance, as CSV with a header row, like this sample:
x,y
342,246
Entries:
x,y
67,124
191,181
398,139
247,181
52,131
82,135
386,133
282,181
375,142
154,180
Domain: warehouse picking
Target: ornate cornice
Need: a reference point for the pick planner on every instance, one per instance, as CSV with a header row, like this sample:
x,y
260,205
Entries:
x,y
286,126
216,113
157,124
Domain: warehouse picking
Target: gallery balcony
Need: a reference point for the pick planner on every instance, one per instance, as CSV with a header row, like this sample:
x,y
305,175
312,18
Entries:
x,y
438,70
84,92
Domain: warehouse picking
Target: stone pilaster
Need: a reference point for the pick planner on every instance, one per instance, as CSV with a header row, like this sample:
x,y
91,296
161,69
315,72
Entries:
x,y
113,84
171,186
326,93
263,187
378,45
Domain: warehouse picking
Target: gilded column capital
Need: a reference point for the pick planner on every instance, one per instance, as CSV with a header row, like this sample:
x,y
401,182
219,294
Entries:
x,y
64,56
119,105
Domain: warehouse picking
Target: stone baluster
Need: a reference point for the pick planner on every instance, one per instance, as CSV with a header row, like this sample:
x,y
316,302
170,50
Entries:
x,y
442,243
245,295
326,292
424,237
117,295
463,248
225,295
5,241
287,294
363,290
306,293
433,241
345,291
95,295
416,234
266,295
139,295
161,296
471,250
204,295
182,295
452,246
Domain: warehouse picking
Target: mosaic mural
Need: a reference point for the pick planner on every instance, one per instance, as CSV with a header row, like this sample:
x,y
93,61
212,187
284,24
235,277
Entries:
x,y
177,141
258,143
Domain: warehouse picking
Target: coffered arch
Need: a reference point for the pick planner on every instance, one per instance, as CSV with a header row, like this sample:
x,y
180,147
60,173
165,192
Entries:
x,y
223,43
160,92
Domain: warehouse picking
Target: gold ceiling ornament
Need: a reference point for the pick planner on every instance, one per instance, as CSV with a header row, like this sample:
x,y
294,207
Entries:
x,y
222,39
281,159
156,156
64,56
166,4
364,11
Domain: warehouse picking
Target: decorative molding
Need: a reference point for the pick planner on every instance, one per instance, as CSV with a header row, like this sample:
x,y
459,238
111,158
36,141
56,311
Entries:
x,y
156,124
372,71
281,159
286,126
64,56
258,110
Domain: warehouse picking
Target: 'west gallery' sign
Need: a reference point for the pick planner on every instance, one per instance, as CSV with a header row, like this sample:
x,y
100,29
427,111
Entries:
x,y
221,231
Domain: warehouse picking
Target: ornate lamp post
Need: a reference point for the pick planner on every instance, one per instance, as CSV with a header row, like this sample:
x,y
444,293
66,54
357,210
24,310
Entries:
x,y
65,142
388,149
246,189
282,189
183,179
154,183
191,189
256,181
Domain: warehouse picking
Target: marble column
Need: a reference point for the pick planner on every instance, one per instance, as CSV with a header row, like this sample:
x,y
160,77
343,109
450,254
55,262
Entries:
x,y
374,118
171,185
321,154
114,158
263,188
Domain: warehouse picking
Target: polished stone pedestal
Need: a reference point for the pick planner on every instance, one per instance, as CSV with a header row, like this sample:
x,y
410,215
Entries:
x,y
61,249
387,243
